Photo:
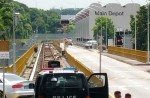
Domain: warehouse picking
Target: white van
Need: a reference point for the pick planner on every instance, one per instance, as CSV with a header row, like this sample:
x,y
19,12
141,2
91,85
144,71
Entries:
x,y
90,43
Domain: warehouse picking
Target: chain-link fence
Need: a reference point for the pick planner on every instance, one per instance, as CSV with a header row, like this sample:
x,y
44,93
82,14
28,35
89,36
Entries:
x,y
55,36
22,47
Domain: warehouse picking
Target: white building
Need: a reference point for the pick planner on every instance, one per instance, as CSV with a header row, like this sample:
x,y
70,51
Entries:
x,y
120,15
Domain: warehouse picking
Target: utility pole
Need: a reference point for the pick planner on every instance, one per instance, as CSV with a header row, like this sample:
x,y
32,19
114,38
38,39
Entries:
x,y
148,32
15,24
100,50
106,34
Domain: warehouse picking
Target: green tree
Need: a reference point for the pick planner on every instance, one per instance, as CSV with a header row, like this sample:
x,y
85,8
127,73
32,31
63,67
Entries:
x,y
53,21
28,29
100,26
5,17
141,30
70,28
30,19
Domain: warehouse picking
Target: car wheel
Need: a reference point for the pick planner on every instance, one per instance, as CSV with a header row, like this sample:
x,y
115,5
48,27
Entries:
x,y
1,94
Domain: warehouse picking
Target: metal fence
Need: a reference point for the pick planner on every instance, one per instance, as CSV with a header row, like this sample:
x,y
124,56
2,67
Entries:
x,y
22,47
54,36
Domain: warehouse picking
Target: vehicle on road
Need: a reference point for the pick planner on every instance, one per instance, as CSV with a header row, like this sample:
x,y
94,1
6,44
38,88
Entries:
x,y
69,41
70,83
90,44
16,86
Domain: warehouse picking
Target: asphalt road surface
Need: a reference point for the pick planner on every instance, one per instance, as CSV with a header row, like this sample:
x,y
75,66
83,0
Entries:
x,y
123,77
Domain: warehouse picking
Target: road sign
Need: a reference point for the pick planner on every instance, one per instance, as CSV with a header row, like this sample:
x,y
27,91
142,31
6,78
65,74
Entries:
x,y
4,55
4,49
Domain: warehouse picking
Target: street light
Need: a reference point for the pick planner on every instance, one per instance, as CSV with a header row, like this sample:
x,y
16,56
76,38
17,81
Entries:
x,y
114,36
15,23
100,44
100,50
134,28
148,31
106,25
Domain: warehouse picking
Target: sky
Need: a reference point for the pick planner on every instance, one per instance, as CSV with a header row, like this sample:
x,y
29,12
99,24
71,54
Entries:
x,y
48,4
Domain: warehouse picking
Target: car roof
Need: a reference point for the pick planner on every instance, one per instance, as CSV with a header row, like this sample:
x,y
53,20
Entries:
x,y
93,40
12,77
59,71
1,74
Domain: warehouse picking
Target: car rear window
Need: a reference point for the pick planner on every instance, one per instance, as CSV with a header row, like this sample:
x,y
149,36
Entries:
x,y
60,82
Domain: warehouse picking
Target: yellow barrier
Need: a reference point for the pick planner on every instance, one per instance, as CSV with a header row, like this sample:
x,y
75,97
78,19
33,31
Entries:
x,y
83,68
21,62
73,62
129,53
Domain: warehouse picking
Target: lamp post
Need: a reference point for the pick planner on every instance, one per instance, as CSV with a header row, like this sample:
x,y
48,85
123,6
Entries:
x,y
15,23
135,32
148,32
106,25
124,43
106,34
114,37
100,50
134,29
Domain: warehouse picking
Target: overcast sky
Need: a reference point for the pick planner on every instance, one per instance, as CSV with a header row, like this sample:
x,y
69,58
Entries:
x,y
48,4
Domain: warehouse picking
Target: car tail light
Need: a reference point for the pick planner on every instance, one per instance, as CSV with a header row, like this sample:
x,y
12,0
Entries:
x,y
17,85
87,97
119,40
41,96
47,68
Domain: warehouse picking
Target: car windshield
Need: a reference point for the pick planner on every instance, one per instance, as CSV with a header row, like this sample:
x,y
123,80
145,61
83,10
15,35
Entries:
x,y
70,39
63,81
88,42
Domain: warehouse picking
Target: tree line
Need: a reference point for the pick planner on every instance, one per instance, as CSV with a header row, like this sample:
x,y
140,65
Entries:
x,y
31,20
141,27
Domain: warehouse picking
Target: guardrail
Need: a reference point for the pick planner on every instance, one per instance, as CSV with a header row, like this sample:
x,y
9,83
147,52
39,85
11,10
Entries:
x,y
21,62
129,53
73,62
80,66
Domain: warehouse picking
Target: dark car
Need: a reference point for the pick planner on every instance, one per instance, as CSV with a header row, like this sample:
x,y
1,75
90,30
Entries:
x,y
70,84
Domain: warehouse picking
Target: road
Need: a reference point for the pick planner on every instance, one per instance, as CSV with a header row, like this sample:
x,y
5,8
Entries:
x,y
123,77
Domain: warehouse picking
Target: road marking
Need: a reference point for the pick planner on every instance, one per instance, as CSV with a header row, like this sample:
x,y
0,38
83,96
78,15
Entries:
x,y
146,88
122,76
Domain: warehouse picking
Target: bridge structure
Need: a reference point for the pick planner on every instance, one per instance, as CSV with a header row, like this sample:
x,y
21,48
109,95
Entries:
x,y
86,60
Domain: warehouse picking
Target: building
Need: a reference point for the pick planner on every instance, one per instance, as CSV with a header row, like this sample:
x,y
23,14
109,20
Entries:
x,y
120,15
